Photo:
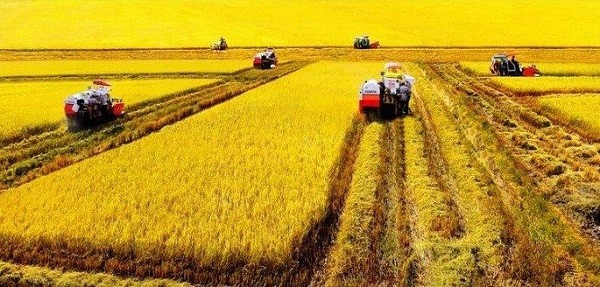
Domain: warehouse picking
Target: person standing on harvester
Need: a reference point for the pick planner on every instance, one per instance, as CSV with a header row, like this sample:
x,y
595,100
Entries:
x,y
404,93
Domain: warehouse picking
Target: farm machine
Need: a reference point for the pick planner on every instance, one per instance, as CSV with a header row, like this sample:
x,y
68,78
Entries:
x,y
265,59
363,42
92,106
220,45
389,97
501,65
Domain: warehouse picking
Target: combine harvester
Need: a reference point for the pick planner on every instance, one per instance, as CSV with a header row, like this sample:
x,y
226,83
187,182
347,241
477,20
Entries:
x,y
389,97
93,106
220,45
502,66
363,42
265,59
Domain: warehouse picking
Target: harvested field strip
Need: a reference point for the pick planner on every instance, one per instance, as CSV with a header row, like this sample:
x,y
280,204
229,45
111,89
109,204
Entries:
x,y
568,165
264,216
108,67
547,69
115,76
346,53
26,105
35,156
429,213
480,251
536,86
351,259
553,235
27,276
374,244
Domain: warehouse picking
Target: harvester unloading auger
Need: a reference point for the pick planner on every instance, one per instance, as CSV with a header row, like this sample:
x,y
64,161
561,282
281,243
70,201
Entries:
x,y
501,65
389,97
92,106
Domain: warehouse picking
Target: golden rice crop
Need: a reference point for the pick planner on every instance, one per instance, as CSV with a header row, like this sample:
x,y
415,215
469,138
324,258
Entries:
x,y
103,67
582,107
245,178
35,103
41,276
538,85
139,23
547,69
353,241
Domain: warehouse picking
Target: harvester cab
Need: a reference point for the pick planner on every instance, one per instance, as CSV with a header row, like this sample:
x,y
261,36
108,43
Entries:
x,y
265,60
502,65
389,97
220,45
363,42
92,106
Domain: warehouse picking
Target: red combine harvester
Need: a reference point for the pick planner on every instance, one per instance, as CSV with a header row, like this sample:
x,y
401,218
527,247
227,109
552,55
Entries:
x,y
265,59
501,65
93,106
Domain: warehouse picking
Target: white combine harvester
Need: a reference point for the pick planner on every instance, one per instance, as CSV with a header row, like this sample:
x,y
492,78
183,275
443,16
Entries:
x,y
389,97
92,106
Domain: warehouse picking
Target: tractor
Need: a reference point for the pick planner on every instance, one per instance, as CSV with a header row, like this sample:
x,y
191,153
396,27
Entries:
x,y
501,65
389,97
265,59
92,106
220,45
363,42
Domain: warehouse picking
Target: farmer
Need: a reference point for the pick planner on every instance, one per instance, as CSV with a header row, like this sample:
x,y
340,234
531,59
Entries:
x,y
404,95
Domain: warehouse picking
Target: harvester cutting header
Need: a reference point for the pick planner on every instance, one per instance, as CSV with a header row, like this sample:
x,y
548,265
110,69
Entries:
x,y
389,97
92,106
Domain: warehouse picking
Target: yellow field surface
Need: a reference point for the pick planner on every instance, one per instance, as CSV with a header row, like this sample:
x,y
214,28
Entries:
x,y
41,68
282,138
547,69
550,84
577,107
36,103
187,23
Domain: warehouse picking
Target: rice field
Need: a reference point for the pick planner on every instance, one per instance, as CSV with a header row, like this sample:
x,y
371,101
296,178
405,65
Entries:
x,y
224,175
139,24
28,104
108,67
255,214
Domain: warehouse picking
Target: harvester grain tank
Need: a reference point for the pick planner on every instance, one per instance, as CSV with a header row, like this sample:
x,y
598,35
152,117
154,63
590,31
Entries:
x,y
92,106
501,65
265,60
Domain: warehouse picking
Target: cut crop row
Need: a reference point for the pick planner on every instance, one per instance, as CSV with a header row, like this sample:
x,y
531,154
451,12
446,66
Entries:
x,y
485,124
